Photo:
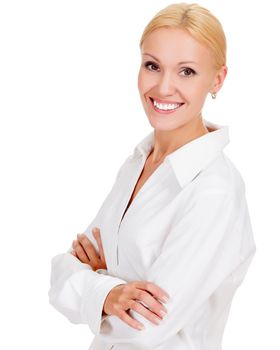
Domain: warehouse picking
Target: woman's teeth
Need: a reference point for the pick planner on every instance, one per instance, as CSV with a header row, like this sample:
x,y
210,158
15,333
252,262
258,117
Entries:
x,y
166,107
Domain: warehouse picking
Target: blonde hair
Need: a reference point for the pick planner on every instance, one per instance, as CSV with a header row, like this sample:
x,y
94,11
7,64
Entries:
x,y
197,21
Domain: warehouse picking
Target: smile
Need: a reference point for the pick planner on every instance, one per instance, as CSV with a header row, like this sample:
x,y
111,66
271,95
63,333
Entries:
x,y
164,108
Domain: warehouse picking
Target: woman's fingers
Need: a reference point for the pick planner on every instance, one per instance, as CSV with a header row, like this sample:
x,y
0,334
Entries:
x,y
153,308
124,316
119,303
94,259
80,253
155,290
133,296
97,236
85,250
88,247
137,306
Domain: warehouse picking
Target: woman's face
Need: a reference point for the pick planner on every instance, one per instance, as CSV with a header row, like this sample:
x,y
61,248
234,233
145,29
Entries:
x,y
164,78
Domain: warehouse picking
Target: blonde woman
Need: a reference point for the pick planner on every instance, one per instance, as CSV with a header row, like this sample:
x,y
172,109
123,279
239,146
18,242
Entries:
x,y
173,238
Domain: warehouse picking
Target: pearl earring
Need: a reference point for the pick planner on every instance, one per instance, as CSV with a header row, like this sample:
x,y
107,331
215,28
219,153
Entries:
x,y
213,95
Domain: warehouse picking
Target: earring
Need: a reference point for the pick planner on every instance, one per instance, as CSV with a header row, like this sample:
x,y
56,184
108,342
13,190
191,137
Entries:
x,y
213,95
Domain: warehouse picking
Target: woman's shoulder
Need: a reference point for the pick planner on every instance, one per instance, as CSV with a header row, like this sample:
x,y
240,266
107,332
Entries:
x,y
221,176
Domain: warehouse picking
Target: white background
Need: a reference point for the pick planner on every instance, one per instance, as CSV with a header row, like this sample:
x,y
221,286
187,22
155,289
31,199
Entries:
x,y
70,115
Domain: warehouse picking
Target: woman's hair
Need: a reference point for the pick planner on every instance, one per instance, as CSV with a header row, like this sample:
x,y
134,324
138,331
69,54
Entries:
x,y
197,21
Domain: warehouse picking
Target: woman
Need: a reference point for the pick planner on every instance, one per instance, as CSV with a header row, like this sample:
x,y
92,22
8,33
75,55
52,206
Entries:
x,y
176,222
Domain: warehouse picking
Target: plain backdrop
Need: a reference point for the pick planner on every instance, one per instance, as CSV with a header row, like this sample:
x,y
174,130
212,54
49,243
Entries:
x,y
71,113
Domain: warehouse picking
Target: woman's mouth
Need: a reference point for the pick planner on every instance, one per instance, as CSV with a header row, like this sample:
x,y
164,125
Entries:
x,y
164,108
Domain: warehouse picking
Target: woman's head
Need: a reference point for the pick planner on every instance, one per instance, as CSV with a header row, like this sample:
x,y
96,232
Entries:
x,y
181,33
199,22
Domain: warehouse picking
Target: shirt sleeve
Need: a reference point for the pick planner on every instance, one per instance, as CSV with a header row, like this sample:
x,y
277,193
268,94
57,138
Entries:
x,y
77,291
199,253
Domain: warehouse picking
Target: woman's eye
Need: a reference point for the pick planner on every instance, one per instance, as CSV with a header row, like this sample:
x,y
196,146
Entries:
x,y
147,64
189,71
150,66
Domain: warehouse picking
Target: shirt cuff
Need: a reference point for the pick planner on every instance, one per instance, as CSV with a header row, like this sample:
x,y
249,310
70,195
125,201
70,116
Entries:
x,y
93,302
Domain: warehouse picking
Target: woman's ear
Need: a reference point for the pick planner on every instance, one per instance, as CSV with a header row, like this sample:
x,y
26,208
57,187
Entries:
x,y
219,79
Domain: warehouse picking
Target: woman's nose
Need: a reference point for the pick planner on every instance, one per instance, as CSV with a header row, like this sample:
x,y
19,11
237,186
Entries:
x,y
166,85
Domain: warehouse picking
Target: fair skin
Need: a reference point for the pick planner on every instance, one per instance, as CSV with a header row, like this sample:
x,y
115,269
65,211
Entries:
x,y
122,297
164,79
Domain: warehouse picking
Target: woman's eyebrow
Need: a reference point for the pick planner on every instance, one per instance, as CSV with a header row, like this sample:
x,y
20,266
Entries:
x,y
148,54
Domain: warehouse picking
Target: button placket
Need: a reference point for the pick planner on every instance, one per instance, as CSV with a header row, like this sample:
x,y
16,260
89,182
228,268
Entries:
x,y
125,210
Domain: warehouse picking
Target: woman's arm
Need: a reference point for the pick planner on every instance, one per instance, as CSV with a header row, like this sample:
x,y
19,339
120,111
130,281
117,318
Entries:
x,y
122,298
77,291
211,248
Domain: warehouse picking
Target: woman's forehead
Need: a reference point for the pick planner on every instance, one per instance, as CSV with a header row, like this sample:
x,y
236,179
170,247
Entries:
x,y
174,46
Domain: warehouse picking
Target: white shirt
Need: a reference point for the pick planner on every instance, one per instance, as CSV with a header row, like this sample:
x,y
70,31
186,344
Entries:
x,y
187,230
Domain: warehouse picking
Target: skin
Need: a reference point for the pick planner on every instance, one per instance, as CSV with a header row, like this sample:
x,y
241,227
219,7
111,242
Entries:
x,y
85,251
161,78
122,297
166,80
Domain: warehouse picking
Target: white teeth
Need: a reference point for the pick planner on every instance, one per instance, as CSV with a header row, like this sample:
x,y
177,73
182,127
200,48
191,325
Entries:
x,y
165,106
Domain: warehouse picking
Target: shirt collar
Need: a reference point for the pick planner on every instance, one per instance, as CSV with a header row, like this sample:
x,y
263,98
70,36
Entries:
x,y
188,160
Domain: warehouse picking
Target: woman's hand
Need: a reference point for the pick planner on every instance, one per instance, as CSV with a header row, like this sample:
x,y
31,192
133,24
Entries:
x,y
126,296
129,296
84,250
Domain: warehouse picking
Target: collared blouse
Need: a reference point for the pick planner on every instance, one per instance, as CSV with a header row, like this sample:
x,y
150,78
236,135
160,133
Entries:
x,y
187,230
